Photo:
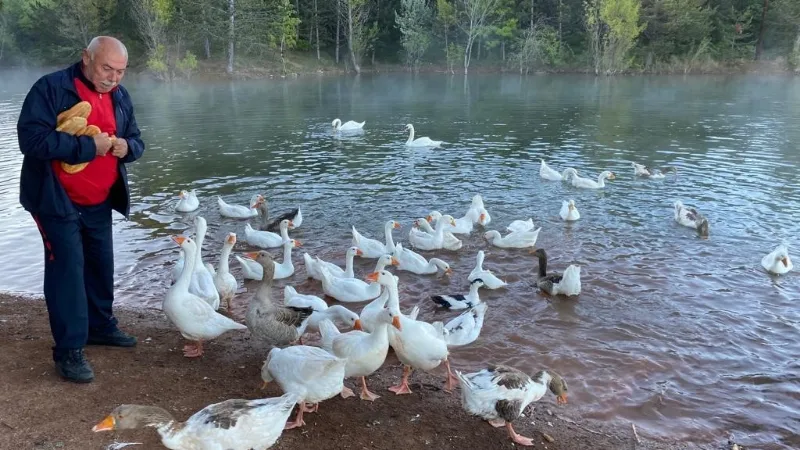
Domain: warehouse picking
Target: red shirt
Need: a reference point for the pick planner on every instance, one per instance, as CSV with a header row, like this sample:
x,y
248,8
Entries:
x,y
92,185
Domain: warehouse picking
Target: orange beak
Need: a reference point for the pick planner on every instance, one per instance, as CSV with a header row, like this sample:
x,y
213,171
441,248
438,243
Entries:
x,y
785,261
482,217
448,271
357,325
396,323
396,225
181,195
561,399
179,239
429,218
231,239
252,255
291,224
373,277
298,244
106,425
359,252
395,262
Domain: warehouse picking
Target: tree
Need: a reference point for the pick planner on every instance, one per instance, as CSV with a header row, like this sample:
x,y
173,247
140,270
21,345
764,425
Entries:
x,y
473,23
446,16
613,27
414,24
81,20
360,35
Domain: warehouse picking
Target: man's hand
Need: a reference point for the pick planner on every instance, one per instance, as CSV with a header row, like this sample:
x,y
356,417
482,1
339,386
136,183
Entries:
x,y
120,148
103,144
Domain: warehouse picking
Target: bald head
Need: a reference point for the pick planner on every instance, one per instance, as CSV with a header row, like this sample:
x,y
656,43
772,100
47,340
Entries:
x,y
104,62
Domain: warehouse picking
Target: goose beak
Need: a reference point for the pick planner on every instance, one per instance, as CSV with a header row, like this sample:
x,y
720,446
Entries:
x,y
231,238
482,217
106,425
396,323
179,239
373,277
252,255
181,195
429,218
357,325
291,224
395,261
359,252
448,271
396,225
610,177
561,399
297,244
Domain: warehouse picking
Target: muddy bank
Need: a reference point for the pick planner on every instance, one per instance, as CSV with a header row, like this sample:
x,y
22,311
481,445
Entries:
x,y
39,411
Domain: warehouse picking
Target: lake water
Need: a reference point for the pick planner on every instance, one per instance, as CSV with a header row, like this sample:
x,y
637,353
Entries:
x,y
687,338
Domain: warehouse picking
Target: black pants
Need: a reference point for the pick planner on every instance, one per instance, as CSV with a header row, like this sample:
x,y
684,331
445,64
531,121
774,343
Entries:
x,y
78,275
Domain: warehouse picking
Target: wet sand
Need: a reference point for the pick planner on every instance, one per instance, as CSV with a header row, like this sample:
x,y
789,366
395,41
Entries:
x,y
39,411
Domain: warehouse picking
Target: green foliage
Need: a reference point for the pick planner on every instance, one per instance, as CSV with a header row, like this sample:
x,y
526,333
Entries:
x,y
187,64
157,63
414,24
538,47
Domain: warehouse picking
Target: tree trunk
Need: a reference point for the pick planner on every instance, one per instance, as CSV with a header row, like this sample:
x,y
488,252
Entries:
x,y
560,7
760,45
207,47
503,49
297,29
532,20
338,32
231,35
356,67
316,27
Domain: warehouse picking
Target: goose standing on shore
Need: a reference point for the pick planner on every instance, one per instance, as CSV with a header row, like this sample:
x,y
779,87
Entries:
x,y
276,325
223,279
194,317
499,395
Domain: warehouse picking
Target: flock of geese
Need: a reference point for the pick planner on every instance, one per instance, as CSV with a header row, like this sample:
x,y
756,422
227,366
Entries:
x,y
309,375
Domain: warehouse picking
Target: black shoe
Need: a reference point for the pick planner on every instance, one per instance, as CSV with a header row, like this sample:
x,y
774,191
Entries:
x,y
116,338
73,366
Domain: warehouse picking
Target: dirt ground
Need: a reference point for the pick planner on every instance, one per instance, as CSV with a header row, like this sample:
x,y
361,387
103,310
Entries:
x,y
39,411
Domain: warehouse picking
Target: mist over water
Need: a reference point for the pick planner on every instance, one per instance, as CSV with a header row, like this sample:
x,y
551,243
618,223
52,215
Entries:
x,y
687,338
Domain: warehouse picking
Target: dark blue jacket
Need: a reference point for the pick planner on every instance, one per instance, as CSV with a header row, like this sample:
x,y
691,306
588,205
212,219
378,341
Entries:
x,y
40,191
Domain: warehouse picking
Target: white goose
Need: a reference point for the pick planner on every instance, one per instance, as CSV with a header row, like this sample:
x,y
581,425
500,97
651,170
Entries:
x,y
251,270
293,298
311,373
240,212
569,212
462,225
369,314
521,239
193,316
490,280
188,201
335,313
519,226
436,240
268,239
416,263
465,328
483,215
347,290
418,345
235,424
419,142
423,230
640,170
202,284
549,174
499,394
223,279
313,272
365,352
283,269
350,125
588,183
778,262
373,248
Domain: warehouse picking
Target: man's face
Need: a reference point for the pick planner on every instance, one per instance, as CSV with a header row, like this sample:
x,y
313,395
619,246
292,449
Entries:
x,y
106,69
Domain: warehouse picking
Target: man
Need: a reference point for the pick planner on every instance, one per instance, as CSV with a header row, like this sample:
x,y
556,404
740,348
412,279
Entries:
x,y
73,210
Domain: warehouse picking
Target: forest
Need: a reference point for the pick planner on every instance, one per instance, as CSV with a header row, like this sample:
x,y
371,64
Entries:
x,y
173,39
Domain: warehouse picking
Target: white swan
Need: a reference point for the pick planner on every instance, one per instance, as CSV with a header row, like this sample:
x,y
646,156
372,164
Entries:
x,y
196,319
549,174
350,125
240,212
490,280
188,201
778,262
420,142
587,183
569,212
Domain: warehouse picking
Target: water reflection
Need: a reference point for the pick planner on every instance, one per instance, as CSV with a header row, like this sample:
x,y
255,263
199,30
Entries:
x,y
686,338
